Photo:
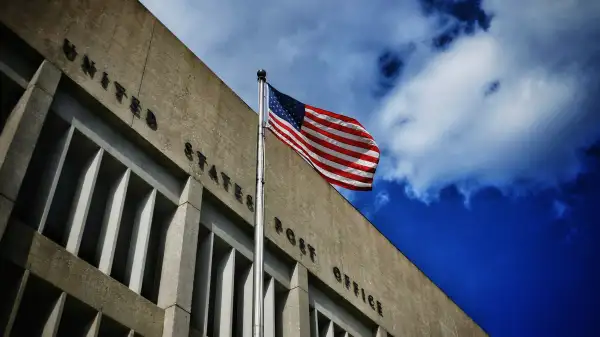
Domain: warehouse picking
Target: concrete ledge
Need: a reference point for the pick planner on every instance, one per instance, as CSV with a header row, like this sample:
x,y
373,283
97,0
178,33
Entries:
x,y
29,249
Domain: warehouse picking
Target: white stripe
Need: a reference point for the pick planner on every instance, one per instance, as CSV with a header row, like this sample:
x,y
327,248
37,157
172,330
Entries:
x,y
367,141
334,152
340,144
337,121
315,156
325,173
320,159
341,155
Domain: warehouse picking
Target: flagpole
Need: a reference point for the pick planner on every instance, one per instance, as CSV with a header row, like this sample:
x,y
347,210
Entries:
x,y
257,295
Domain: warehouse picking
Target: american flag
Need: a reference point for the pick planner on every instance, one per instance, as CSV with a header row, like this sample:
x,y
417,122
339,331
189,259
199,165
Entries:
x,y
337,146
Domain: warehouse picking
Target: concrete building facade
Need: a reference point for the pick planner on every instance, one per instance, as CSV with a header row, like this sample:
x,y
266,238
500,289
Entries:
x,y
127,173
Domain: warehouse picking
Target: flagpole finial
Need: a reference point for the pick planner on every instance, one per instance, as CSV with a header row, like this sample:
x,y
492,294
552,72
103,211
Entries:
x,y
261,74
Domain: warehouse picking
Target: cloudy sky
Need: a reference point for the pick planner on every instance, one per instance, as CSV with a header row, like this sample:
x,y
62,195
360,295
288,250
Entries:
x,y
487,116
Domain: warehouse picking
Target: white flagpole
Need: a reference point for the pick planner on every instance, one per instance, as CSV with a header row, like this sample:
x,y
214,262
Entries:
x,y
257,295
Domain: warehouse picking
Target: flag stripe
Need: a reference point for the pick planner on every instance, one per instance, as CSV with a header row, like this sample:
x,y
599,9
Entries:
x,y
336,146
326,158
334,115
335,135
322,168
347,185
336,130
329,176
340,151
364,174
348,128
322,139
318,154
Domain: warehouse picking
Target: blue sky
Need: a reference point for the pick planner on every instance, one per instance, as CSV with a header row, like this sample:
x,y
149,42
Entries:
x,y
487,115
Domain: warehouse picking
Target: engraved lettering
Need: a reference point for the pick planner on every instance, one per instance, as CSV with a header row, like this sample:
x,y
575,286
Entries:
x,y
226,181
363,294
291,236
212,173
189,151
379,309
250,203
88,66
105,81
313,252
355,287
151,120
371,303
135,106
69,50
238,193
347,281
201,160
278,226
337,274
120,92
302,246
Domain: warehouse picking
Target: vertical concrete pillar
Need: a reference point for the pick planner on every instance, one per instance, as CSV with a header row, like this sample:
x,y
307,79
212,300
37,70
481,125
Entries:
x,y
244,285
50,179
269,308
105,252
17,296
81,203
202,277
224,295
314,324
328,331
179,262
138,249
296,311
94,327
381,332
53,320
20,135
177,322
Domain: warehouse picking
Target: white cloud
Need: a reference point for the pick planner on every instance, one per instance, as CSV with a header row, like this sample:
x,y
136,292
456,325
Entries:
x,y
381,199
323,53
440,128
437,127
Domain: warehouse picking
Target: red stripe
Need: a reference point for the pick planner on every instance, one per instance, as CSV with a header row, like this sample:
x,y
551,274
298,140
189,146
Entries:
x,y
329,180
301,154
339,127
334,115
340,149
325,167
347,186
340,138
324,154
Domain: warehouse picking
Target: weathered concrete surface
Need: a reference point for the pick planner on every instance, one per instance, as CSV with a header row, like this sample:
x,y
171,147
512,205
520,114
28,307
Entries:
x,y
42,257
193,105
296,310
22,129
20,134
177,272
177,322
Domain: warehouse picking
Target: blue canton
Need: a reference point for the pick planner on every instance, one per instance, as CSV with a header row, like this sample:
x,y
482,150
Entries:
x,y
286,108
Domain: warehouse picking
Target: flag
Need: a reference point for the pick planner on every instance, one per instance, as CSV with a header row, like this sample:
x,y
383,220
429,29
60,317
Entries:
x,y
337,146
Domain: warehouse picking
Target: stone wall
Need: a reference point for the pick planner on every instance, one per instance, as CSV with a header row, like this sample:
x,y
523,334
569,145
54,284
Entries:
x,y
187,113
